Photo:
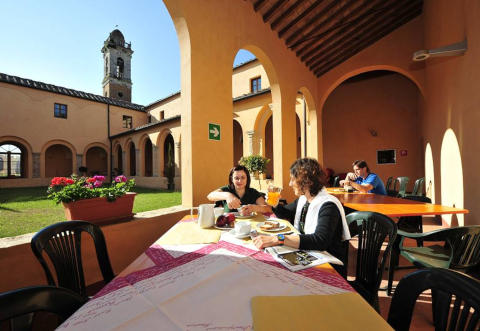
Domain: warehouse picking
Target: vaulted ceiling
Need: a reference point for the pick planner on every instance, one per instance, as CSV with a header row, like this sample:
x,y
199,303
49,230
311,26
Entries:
x,y
325,33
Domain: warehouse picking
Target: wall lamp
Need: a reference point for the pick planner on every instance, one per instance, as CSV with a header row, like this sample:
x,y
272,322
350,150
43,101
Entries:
x,y
450,50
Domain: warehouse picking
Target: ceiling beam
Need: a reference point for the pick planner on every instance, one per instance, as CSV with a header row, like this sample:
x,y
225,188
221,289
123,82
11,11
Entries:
x,y
272,10
287,12
306,12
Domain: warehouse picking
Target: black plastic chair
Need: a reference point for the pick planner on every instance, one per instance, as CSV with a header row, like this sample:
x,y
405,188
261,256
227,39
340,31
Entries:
x,y
413,224
460,250
336,181
19,306
62,243
453,296
418,187
372,229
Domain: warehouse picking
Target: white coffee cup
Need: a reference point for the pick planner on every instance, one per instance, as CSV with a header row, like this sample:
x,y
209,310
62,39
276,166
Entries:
x,y
242,228
217,211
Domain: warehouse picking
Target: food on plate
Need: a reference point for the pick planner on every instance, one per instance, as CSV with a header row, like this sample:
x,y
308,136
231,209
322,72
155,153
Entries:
x,y
227,220
266,227
274,224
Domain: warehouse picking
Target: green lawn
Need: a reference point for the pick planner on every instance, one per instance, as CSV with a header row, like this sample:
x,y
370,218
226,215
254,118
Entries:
x,y
26,210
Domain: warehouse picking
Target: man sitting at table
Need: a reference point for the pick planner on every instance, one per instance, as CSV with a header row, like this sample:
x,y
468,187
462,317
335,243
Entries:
x,y
363,180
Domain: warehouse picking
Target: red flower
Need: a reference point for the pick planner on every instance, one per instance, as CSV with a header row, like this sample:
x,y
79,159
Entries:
x,y
91,180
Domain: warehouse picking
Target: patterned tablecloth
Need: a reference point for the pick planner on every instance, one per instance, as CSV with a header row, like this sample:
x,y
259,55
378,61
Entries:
x,y
198,287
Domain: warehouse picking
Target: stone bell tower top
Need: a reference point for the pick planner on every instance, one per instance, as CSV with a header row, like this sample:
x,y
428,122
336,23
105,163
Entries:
x,y
117,56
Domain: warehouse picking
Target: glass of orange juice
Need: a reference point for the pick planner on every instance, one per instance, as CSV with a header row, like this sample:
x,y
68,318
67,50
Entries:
x,y
273,195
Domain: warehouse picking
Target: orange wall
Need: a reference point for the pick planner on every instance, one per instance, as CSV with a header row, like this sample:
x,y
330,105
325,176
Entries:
x,y
386,104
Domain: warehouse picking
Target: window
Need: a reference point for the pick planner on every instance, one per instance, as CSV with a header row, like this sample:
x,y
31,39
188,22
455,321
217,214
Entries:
x,y
120,94
162,115
119,67
386,156
127,121
11,159
60,110
255,84
149,119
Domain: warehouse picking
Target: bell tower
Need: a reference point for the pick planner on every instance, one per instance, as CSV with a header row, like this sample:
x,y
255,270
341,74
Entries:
x,y
117,56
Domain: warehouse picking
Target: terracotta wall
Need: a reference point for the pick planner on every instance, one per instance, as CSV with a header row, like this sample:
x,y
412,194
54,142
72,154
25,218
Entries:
x,y
242,75
125,242
387,104
170,107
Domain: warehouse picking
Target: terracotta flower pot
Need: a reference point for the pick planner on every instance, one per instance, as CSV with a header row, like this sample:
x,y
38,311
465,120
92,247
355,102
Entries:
x,y
99,210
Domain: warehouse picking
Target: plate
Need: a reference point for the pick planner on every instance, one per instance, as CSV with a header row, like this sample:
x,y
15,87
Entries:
x,y
280,228
237,215
239,236
223,227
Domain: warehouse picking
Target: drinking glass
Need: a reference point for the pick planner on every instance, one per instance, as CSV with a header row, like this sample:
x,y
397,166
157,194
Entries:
x,y
273,195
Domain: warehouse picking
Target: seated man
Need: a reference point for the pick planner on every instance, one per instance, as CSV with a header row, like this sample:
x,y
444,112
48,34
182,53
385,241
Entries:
x,y
363,180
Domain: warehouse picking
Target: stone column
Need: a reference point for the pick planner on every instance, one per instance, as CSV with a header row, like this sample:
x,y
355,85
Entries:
x,y
250,135
36,165
155,161
79,163
177,154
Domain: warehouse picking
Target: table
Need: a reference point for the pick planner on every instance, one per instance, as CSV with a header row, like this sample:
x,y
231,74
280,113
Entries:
x,y
390,206
228,284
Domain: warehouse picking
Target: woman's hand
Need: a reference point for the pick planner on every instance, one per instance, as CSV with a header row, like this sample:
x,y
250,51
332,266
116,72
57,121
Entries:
x,y
265,241
233,202
248,209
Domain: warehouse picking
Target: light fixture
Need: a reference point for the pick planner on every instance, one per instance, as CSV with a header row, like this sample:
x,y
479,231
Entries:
x,y
450,50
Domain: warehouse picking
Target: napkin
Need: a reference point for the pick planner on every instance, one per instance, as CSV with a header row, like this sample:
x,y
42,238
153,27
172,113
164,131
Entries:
x,y
189,233
346,311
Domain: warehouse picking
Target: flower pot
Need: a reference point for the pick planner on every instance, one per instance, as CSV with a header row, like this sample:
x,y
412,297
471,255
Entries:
x,y
99,210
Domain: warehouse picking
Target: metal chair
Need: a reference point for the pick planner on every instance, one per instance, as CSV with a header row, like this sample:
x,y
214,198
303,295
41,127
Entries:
x,y
454,296
418,187
372,229
19,306
460,250
62,243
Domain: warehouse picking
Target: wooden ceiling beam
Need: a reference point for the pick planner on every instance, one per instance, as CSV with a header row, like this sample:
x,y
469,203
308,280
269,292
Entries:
x,y
287,12
272,10
362,44
299,18
312,36
257,5
348,28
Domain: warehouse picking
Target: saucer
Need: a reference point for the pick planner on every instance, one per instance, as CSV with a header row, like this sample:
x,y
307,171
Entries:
x,y
239,236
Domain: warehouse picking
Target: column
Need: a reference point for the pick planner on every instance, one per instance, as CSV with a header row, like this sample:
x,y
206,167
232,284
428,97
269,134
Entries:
x,y
36,165
177,155
250,135
138,163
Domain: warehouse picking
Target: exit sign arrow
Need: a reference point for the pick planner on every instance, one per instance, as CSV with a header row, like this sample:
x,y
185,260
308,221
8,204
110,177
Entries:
x,y
213,131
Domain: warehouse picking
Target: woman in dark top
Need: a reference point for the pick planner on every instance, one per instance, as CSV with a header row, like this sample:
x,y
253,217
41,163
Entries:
x,y
317,215
238,192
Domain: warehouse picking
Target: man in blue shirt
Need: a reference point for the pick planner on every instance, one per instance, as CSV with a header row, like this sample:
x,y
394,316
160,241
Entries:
x,y
363,180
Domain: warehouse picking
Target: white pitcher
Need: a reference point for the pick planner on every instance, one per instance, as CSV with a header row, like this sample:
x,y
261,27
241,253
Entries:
x,y
206,216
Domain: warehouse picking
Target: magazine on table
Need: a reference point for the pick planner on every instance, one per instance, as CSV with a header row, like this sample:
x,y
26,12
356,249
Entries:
x,y
295,259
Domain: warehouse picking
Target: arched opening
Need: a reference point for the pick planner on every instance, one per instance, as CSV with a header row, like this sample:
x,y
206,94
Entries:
x,y
120,67
237,142
97,162
13,160
168,156
429,174
371,112
119,156
148,148
269,147
58,161
451,175
133,159
298,136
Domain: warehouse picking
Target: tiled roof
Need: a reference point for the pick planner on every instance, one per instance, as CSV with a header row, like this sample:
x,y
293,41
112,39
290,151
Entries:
x,y
253,94
163,99
146,126
244,63
66,91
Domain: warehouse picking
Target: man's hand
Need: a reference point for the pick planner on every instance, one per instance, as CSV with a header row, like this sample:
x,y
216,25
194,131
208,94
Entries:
x,y
351,177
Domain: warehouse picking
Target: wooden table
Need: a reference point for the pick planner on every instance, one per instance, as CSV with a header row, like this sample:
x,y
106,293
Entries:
x,y
390,206
227,284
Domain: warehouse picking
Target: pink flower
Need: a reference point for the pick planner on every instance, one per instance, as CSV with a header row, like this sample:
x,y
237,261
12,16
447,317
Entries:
x,y
99,178
97,183
120,178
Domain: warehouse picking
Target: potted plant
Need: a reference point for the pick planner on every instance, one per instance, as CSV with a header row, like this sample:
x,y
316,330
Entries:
x,y
256,165
90,199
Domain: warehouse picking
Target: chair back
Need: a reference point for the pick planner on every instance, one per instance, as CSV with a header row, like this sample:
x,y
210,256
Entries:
x,y
62,243
453,296
418,187
402,186
372,229
336,181
18,306
412,223
389,183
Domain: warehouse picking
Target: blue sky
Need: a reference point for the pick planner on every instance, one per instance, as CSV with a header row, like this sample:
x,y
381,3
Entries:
x,y
59,42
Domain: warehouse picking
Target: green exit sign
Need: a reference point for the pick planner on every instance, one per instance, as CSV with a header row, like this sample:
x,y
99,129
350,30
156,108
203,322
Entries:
x,y
213,131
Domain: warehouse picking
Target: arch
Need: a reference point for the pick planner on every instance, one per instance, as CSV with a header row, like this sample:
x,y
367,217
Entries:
x,y
168,155
237,141
58,161
27,163
118,159
147,156
94,144
362,70
451,176
96,160
132,159
429,173
298,136
160,147
43,158
312,134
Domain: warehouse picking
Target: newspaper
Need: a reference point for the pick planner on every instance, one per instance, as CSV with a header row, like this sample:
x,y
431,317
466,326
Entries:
x,y
295,259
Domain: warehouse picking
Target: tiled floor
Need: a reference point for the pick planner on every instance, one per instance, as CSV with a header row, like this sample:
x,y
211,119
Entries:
x,y
422,315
